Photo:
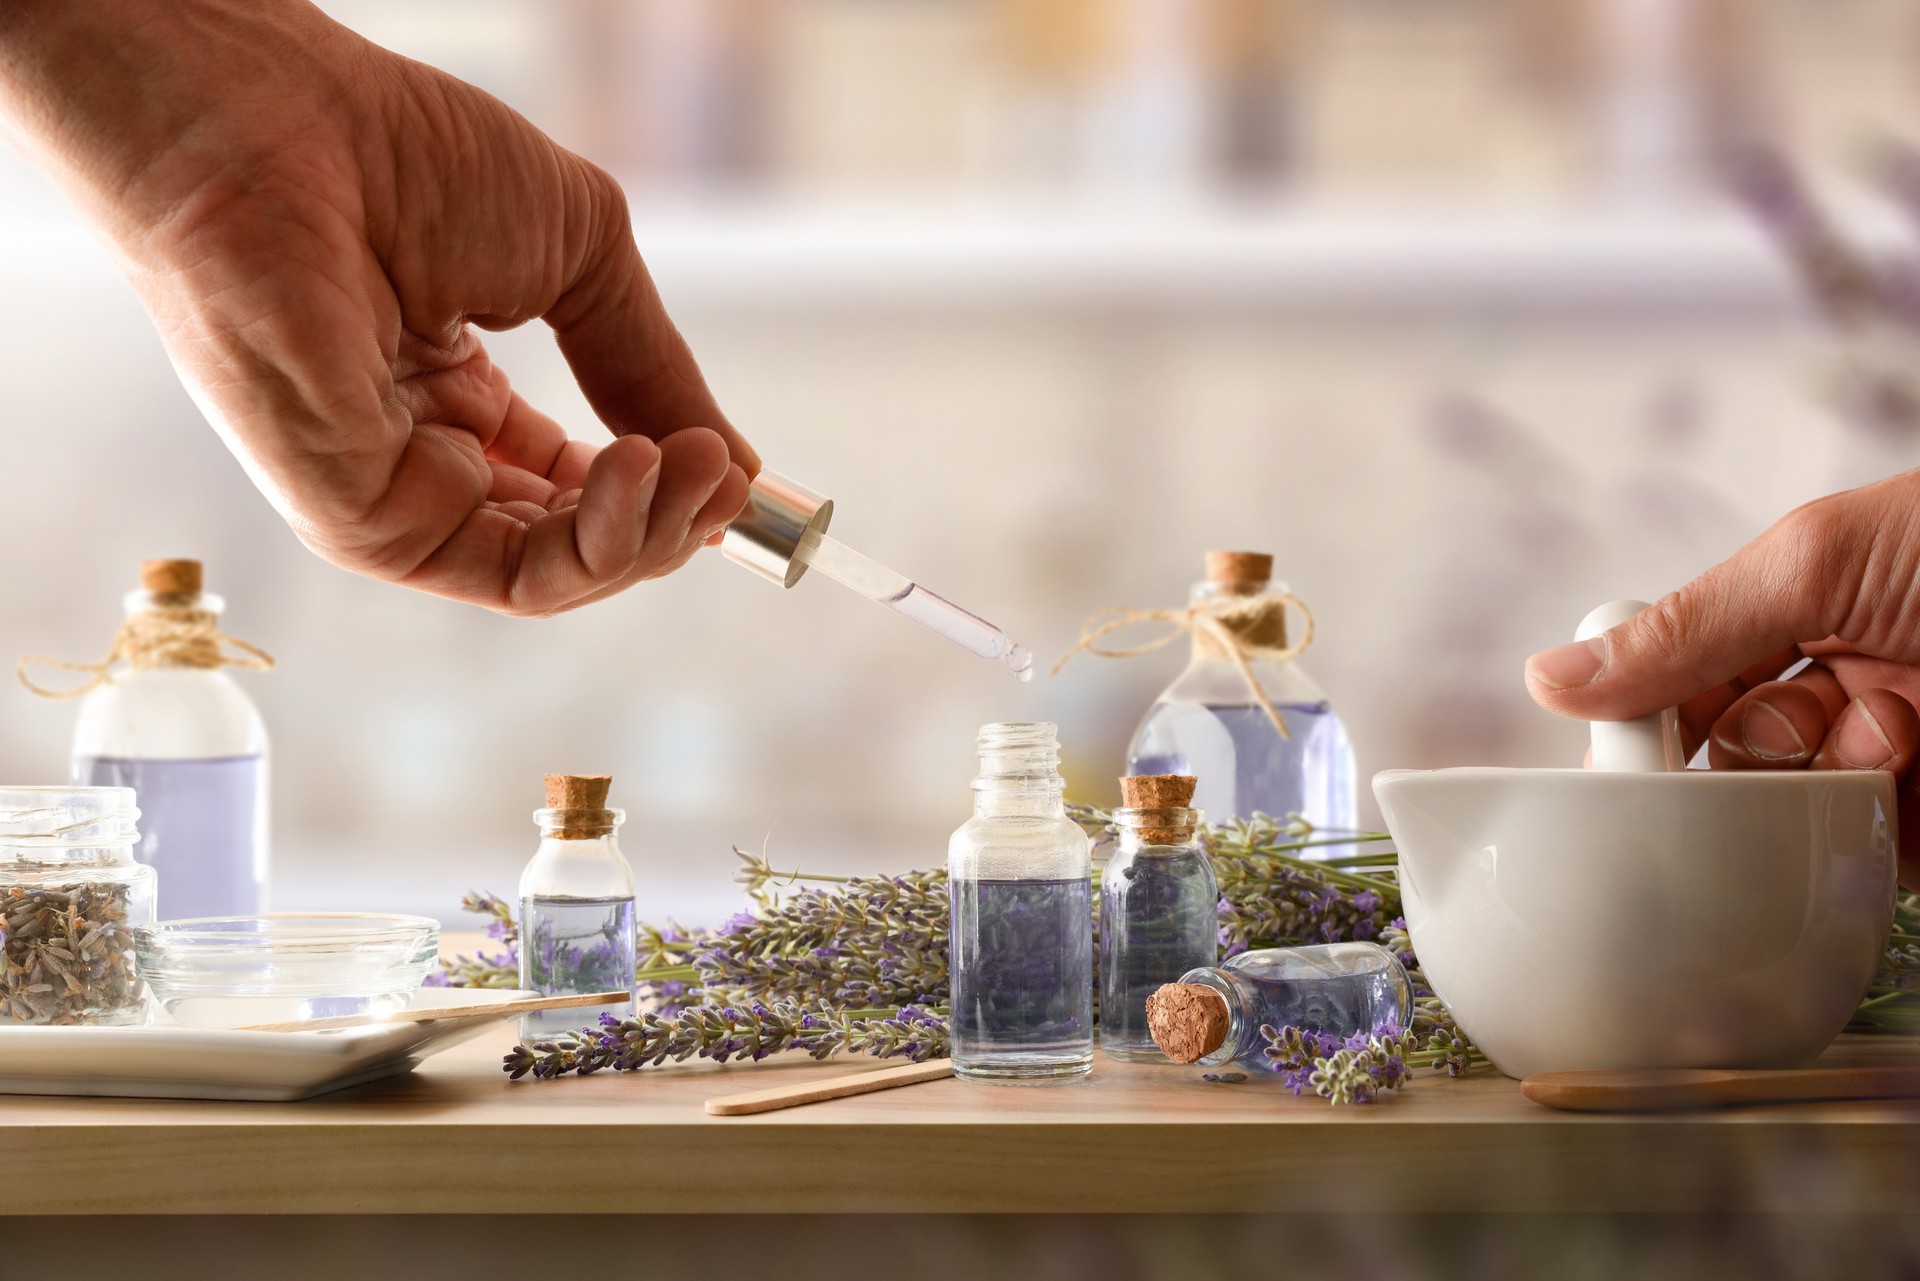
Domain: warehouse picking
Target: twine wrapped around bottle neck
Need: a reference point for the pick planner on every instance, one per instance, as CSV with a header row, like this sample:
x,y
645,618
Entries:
x,y
164,635
1242,630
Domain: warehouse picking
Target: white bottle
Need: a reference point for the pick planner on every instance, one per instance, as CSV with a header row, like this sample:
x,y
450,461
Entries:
x,y
186,738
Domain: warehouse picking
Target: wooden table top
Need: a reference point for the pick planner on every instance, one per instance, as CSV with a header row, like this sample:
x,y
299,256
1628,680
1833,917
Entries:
x,y
458,1137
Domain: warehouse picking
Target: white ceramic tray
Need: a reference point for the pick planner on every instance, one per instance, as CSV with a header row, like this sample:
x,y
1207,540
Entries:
x,y
166,1061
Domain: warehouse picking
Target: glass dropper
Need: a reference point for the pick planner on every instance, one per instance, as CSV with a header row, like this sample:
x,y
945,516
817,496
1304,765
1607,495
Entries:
x,y
783,533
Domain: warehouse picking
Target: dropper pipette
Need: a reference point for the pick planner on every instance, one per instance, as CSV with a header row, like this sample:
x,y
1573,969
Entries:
x,y
909,599
783,533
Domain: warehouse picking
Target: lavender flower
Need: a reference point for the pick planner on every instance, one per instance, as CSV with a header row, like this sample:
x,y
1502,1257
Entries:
x,y
1354,1070
722,1033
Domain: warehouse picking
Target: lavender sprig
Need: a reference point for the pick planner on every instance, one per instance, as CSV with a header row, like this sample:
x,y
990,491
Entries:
x,y
501,970
1354,1070
721,1033
870,941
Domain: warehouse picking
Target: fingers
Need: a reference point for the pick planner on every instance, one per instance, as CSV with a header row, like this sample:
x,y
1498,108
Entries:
x,y
1878,730
1699,713
1787,586
643,511
630,360
1778,725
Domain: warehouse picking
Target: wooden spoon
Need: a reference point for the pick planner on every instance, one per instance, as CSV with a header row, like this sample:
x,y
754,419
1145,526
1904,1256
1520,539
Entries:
x,y
1624,1090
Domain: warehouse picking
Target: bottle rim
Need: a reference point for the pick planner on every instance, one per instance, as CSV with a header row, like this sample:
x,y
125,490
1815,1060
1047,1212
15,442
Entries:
x,y
35,820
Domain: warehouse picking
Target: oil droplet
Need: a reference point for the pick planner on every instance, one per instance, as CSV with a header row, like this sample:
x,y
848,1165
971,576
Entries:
x,y
1019,659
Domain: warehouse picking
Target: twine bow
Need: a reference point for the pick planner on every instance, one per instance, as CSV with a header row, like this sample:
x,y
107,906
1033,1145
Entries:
x,y
1241,629
164,636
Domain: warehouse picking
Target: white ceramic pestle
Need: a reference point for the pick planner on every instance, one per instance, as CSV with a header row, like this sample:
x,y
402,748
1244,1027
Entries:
x,y
1650,744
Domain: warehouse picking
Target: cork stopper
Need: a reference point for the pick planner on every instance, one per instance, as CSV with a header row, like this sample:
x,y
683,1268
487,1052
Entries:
x,y
578,791
578,805
1158,805
1188,1021
170,577
1239,569
1157,791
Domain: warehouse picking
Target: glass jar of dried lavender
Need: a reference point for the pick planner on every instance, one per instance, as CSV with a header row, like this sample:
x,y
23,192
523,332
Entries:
x,y
71,897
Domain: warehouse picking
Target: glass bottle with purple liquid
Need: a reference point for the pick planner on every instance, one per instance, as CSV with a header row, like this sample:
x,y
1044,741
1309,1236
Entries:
x,y
1021,875
180,732
1208,723
1214,1014
577,928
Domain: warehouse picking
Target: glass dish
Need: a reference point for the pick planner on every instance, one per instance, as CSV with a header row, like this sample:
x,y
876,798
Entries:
x,y
233,971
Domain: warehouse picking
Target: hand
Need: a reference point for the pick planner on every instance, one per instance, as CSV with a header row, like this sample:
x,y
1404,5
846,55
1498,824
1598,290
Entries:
x,y
1836,581
316,225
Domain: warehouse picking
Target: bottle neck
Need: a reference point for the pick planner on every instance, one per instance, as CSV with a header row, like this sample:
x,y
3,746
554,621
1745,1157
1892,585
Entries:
x,y
1019,772
1030,797
1136,842
1243,1020
1255,617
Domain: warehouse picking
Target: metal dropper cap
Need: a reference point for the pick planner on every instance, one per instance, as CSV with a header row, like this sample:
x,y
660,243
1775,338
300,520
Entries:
x,y
780,514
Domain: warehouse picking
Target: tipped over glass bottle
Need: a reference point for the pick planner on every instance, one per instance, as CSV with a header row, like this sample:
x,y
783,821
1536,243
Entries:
x,y
1214,1014
1209,724
577,929
1021,876
1158,909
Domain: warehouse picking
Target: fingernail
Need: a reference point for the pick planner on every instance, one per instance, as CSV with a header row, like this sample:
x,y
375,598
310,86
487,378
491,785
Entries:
x,y
1768,734
1860,743
1565,666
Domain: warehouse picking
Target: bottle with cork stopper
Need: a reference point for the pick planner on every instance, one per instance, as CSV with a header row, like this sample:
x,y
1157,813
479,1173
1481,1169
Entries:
x,y
1217,720
1158,900
1214,1014
576,906
162,716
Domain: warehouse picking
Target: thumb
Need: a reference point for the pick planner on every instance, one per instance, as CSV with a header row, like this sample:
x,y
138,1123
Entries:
x,y
625,352
1772,594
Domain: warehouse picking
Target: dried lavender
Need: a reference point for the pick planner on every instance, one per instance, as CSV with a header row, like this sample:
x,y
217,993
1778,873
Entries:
x,y
869,942
1353,1070
721,1033
69,956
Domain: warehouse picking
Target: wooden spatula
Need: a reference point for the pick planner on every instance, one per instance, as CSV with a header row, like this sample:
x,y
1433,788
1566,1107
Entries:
x,y
431,1013
1625,1090
792,1096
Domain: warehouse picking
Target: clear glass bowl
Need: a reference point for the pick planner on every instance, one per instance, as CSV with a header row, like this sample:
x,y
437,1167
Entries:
x,y
232,971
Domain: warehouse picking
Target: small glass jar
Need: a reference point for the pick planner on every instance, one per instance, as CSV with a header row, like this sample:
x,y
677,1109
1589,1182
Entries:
x,y
71,897
1158,920
1214,1014
577,921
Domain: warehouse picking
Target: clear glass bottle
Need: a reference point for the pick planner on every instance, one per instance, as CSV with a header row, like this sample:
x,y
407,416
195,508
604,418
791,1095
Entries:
x,y
1158,910
71,897
1207,723
187,739
1214,1014
576,907
1021,876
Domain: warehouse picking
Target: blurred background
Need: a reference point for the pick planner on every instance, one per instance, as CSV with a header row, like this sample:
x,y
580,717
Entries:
x,y
1473,312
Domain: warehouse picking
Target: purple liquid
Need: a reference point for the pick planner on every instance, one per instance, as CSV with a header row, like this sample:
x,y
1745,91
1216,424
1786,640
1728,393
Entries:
x,y
1022,977
575,945
1245,766
203,829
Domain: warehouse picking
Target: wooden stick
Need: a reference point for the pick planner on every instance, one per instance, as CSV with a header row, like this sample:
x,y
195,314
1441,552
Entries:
x,y
1633,1091
432,1014
792,1096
